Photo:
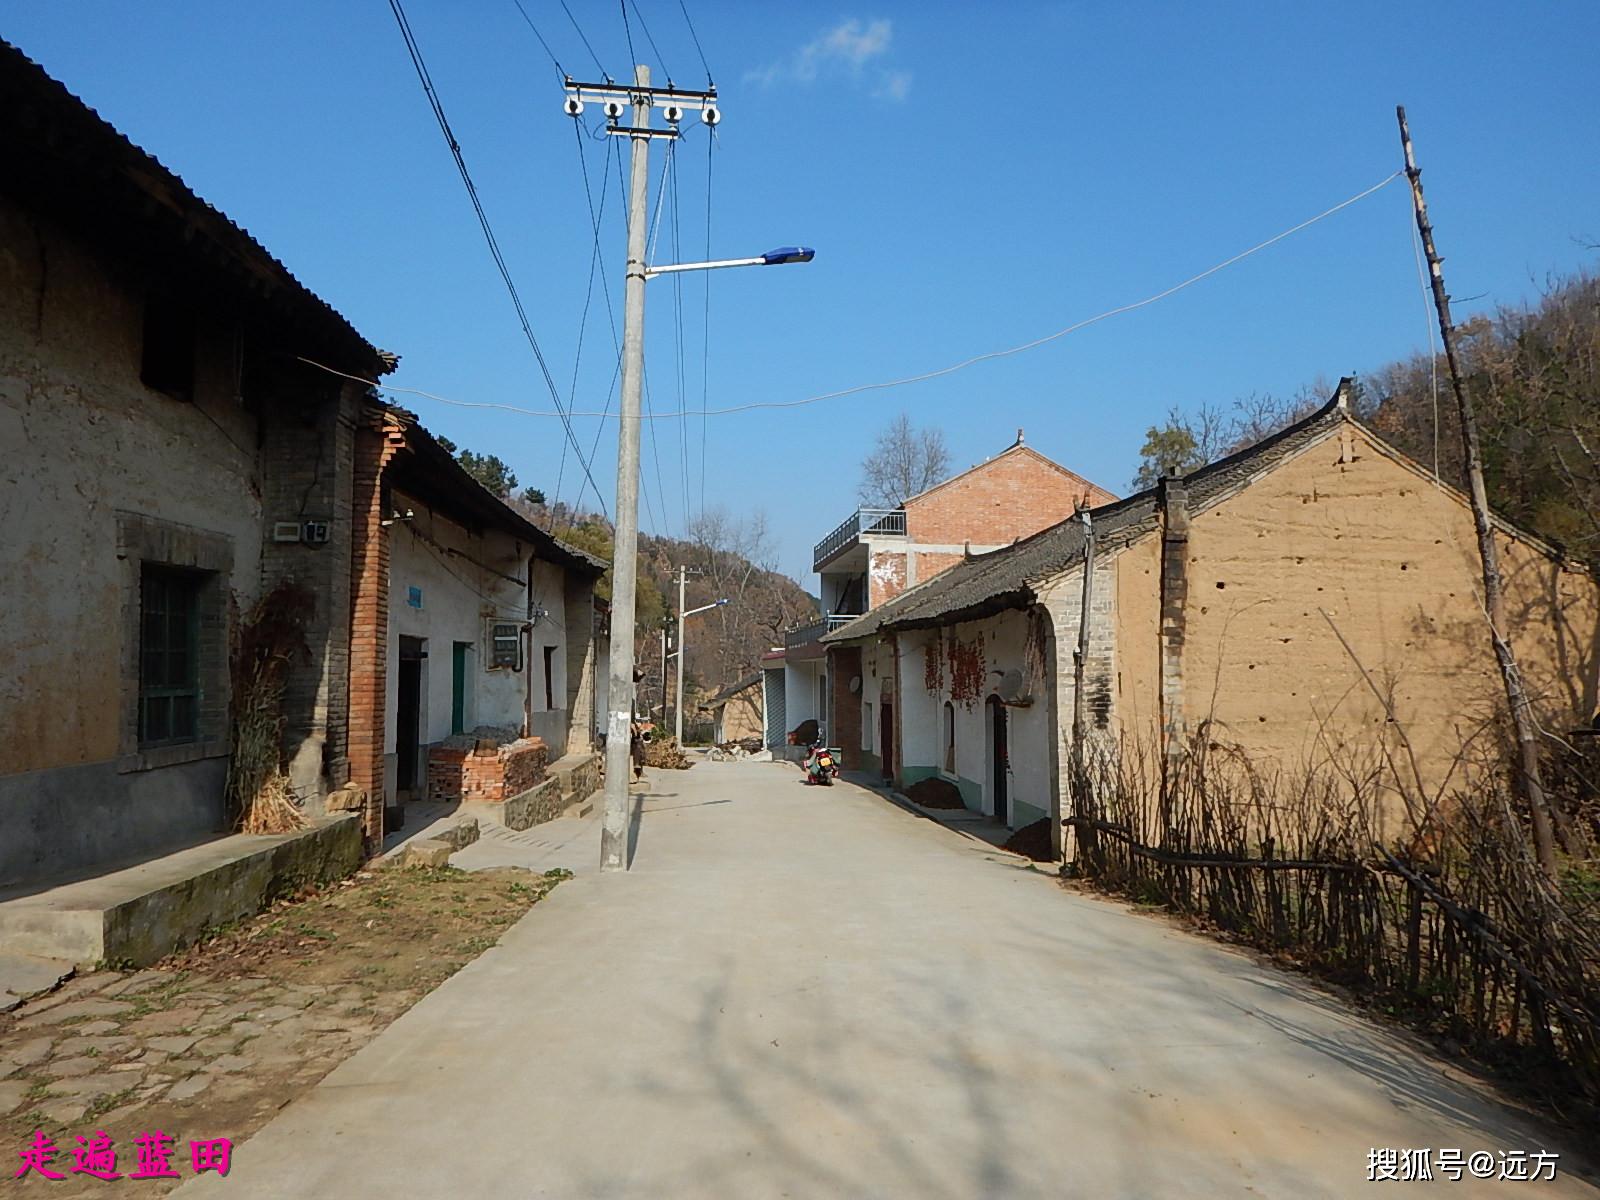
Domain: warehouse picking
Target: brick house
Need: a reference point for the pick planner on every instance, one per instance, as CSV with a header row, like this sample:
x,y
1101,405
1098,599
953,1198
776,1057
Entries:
x,y
875,554
1221,601
171,457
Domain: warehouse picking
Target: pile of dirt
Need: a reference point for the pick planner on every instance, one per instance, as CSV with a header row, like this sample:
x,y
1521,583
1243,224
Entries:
x,y
1032,841
664,752
935,793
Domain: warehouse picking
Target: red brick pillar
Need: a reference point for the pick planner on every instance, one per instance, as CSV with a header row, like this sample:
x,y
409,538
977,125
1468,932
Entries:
x,y
375,444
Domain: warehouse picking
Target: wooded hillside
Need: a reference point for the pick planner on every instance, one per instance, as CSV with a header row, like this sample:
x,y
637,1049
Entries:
x,y
1534,376
735,561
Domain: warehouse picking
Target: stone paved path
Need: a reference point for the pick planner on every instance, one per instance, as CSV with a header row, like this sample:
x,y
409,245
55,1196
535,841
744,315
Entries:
x,y
811,993
107,1043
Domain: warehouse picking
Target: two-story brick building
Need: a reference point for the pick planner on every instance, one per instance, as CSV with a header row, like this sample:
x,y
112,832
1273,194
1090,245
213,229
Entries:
x,y
875,554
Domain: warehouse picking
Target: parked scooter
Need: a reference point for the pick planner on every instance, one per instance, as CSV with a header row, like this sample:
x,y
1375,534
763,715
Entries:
x,y
821,768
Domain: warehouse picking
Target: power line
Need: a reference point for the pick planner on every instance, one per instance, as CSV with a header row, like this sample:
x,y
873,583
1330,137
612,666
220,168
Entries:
x,y
950,370
628,29
588,296
540,36
584,39
697,48
488,233
649,400
677,318
647,37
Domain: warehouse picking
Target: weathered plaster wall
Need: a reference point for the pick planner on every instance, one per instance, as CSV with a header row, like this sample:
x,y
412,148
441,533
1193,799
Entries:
x,y
308,460
550,721
582,664
1006,646
877,688
83,439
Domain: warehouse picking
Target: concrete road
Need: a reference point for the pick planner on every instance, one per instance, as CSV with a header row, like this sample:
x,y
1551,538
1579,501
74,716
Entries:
x,y
801,992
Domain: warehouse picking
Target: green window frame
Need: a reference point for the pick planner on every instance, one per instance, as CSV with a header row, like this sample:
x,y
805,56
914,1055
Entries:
x,y
169,655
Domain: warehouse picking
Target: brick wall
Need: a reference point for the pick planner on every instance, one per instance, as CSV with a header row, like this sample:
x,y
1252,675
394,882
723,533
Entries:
x,y
376,441
1014,494
844,664
490,774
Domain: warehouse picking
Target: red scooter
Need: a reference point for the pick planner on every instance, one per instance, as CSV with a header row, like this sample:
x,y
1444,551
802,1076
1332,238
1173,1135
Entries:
x,y
821,768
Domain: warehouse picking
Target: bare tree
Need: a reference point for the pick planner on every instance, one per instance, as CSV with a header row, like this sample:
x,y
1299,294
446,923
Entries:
x,y
904,461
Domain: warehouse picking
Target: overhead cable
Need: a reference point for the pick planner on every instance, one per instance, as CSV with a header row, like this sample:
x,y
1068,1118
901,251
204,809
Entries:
x,y
953,368
488,233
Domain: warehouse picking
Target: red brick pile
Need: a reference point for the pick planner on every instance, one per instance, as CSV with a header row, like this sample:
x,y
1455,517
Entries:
x,y
486,772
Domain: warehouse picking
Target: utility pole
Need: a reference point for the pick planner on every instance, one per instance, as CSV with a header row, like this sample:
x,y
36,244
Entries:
x,y
677,713
625,555
663,671
1493,588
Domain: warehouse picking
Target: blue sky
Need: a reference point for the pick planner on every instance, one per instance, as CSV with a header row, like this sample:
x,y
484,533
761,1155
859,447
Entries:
x,y
972,177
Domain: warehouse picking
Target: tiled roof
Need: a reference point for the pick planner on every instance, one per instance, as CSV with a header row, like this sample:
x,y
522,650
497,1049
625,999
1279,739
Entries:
x,y
1004,579
61,155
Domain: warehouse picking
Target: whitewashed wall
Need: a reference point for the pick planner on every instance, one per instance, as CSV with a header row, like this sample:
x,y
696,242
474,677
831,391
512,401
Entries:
x,y
1030,728
459,600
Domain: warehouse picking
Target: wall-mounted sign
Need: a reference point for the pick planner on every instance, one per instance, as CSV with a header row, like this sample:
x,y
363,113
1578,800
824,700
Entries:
x,y
414,597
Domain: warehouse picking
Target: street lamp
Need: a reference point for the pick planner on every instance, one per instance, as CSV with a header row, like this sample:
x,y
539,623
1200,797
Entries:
x,y
677,721
772,258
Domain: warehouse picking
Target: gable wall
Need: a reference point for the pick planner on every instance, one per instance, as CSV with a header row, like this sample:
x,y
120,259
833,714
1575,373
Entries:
x,y
1392,560
1009,497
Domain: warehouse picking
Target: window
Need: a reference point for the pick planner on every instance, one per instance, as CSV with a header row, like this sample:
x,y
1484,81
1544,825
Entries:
x,y
549,678
505,646
949,738
168,358
169,658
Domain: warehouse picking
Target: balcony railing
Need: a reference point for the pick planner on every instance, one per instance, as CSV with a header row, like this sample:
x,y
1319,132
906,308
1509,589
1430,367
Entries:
x,y
804,635
886,521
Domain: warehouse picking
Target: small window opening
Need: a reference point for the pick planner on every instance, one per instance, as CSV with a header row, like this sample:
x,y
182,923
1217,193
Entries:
x,y
167,364
505,646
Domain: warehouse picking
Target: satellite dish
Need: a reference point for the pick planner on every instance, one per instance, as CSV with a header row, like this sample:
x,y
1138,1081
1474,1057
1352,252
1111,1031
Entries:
x,y
1012,688
855,685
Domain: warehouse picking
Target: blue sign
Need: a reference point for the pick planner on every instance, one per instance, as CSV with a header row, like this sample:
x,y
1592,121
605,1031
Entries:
x,y
414,597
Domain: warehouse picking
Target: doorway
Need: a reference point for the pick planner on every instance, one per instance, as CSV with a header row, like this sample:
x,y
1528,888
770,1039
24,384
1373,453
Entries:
x,y
999,761
408,717
458,686
886,736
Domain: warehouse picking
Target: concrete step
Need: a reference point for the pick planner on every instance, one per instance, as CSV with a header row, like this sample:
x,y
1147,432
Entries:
x,y
141,913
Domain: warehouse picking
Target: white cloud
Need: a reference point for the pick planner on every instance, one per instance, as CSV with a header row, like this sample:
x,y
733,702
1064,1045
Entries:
x,y
851,47
893,85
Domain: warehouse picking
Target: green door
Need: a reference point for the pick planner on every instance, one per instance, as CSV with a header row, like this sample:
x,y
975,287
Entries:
x,y
458,687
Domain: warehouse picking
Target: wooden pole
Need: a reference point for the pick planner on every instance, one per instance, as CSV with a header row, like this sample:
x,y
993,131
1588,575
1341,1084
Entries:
x,y
1493,589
